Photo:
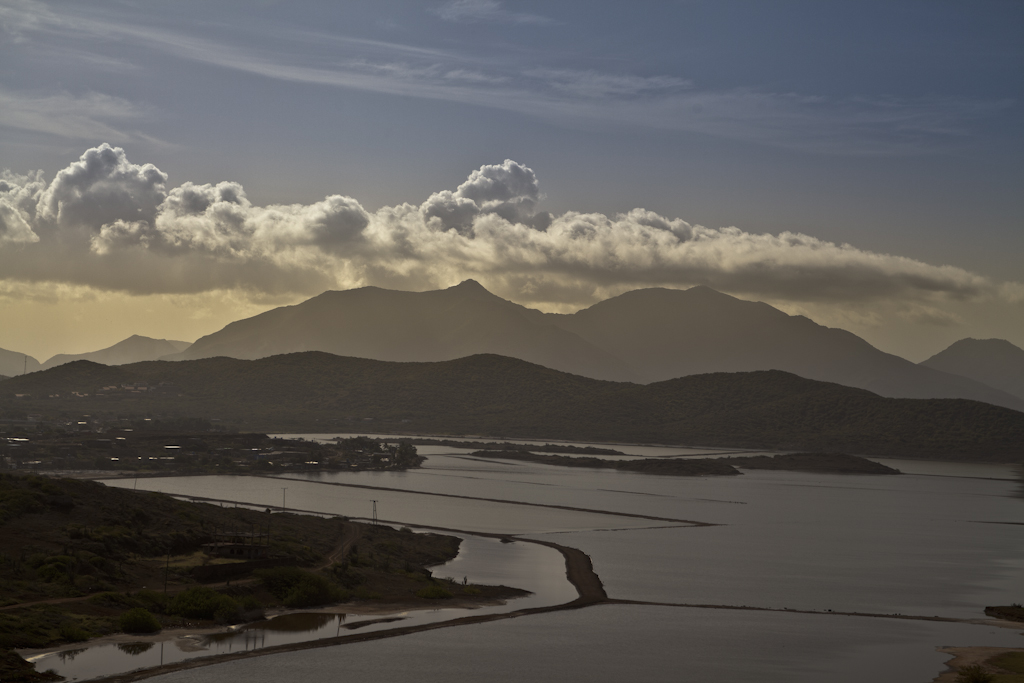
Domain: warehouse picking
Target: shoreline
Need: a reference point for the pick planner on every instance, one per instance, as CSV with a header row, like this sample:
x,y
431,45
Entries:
x,y
966,656
579,571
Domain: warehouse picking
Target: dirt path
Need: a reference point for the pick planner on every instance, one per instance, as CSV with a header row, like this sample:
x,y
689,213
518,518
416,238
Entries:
x,y
349,536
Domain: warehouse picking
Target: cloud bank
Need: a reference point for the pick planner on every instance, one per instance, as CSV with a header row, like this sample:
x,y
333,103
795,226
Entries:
x,y
107,223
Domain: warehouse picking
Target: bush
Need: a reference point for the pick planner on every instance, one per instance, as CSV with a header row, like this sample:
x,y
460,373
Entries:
x,y
299,588
73,633
139,620
975,673
201,602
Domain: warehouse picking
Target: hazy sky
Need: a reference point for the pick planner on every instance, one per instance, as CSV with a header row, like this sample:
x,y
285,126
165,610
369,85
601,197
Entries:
x,y
173,166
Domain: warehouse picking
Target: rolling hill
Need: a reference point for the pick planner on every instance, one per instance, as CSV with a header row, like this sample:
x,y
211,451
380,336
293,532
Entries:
x,y
504,397
996,362
644,336
134,349
13,363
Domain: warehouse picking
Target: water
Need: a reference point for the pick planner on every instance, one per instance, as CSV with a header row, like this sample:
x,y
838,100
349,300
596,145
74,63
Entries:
x,y
536,568
943,541
630,643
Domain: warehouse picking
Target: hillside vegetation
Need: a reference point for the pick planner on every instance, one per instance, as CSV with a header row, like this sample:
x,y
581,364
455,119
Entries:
x,y
502,397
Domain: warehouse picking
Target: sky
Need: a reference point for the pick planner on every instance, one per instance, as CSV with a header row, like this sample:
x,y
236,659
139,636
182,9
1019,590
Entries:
x,y
168,168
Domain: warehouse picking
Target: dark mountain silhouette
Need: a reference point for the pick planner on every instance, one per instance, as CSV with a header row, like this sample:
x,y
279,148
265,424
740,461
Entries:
x,y
131,350
13,363
503,397
666,333
410,326
996,362
643,336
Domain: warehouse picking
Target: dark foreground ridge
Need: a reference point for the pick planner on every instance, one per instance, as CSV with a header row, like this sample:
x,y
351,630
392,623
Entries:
x,y
495,396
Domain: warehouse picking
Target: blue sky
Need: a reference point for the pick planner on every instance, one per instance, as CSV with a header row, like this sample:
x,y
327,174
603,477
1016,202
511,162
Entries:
x,y
858,162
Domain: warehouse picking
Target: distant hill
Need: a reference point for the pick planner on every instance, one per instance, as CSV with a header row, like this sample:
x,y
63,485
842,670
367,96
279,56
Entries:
x,y
13,363
134,349
666,333
643,336
410,326
503,397
996,362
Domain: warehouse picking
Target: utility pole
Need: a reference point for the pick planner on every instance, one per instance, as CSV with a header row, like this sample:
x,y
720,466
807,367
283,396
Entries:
x,y
374,512
284,498
167,570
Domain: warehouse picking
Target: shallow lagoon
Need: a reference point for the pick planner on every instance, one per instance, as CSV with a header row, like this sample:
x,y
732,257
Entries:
x,y
936,542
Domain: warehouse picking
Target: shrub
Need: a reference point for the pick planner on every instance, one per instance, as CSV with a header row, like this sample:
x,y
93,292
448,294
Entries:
x,y
73,633
975,673
299,588
139,620
201,602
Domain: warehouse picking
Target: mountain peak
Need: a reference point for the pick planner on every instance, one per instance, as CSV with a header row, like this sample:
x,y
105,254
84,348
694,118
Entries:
x,y
469,285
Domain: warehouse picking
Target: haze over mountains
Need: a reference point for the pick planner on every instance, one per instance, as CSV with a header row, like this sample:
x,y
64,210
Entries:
x,y
642,336
131,350
996,362
412,326
13,363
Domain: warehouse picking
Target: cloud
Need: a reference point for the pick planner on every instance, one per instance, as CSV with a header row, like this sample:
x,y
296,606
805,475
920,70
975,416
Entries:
x,y
81,117
485,11
110,224
498,80
509,190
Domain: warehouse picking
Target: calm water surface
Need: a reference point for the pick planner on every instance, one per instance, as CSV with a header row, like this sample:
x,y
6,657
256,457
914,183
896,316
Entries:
x,y
941,541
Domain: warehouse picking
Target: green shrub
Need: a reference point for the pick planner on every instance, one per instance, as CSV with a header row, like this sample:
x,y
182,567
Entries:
x,y
139,620
434,592
73,633
201,602
975,673
300,588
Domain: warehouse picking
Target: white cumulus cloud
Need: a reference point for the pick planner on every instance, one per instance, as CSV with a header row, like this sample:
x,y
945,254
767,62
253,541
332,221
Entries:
x,y
109,223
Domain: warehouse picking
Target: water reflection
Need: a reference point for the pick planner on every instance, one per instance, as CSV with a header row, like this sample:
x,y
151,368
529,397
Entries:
x,y
134,648
69,655
294,623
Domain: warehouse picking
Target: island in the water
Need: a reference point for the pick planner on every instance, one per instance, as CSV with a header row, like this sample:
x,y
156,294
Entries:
x,y
834,463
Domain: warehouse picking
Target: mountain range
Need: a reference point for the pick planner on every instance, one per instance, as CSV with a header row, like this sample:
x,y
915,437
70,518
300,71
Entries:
x,y
131,350
996,362
642,336
497,396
